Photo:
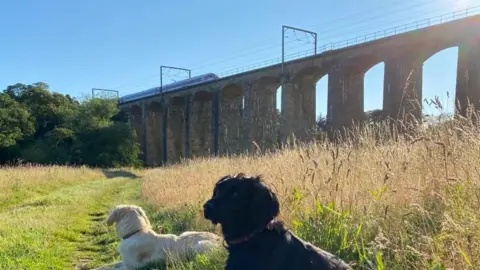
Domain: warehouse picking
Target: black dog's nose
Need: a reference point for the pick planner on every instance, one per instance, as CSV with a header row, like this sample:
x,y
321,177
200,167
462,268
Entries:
x,y
207,209
208,212
207,206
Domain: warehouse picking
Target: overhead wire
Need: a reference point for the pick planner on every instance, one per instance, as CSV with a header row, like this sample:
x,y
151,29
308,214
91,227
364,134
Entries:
x,y
335,28
384,24
254,47
331,29
393,24
257,49
311,50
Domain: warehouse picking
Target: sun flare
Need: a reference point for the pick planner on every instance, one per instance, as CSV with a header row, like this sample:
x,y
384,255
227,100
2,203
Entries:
x,y
461,4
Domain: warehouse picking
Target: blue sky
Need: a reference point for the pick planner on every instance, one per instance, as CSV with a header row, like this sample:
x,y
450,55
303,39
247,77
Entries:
x,y
77,45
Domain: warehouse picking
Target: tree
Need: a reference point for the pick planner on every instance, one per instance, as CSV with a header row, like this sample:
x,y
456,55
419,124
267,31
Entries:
x,y
322,124
96,113
40,126
15,122
50,110
56,147
109,146
102,141
374,116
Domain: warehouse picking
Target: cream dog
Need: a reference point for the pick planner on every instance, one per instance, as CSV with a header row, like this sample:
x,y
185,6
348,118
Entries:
x,y
140,245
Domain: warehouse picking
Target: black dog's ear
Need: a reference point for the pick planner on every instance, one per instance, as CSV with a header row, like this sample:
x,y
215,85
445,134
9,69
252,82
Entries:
x,y
223,178
265,205
241,175
274,205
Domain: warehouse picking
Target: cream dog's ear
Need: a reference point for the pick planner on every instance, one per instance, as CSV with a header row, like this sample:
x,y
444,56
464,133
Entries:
x,y
142,214
114,215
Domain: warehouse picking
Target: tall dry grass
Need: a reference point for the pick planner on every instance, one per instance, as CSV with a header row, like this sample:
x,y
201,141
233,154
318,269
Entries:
x,y
37,174
19,182
31,174
409,203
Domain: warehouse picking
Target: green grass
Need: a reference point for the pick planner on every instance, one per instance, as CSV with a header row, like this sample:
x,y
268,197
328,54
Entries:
x,y
24,182
63,227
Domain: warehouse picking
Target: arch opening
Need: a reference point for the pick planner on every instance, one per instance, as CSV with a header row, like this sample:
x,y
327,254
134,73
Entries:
x,y
321,104
279,117
439,81
136,113
373,87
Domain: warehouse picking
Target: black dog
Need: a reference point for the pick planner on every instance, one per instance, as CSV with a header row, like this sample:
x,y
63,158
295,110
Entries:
x,y
246,208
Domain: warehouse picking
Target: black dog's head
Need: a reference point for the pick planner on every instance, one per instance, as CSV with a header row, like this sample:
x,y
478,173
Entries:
x,y
242,205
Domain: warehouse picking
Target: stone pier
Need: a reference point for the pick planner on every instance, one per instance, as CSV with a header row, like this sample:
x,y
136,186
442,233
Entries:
x,y
402,96
154,134
298,108
468,77
261,103
201,131
136,119
176,130
345,97
230,120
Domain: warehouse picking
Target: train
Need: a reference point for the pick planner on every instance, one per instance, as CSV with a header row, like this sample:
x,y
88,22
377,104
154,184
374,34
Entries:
x,y
169,87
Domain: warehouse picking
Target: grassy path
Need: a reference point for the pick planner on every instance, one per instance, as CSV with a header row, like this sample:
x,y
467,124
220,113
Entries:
x,y
65,227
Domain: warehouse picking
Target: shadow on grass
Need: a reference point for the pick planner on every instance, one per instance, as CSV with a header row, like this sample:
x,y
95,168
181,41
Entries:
x,y
119,173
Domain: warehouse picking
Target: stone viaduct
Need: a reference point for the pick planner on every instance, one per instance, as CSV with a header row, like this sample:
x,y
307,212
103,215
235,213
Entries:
x,y
225,116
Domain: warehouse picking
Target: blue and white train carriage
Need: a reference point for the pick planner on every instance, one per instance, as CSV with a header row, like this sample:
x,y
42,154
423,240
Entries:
x,y
169,87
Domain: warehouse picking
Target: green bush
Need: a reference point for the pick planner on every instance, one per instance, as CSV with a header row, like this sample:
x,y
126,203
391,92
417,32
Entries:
x,y
110,146
15,122
44,127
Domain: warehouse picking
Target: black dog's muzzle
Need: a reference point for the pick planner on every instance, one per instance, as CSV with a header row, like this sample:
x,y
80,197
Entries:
x,y
208,212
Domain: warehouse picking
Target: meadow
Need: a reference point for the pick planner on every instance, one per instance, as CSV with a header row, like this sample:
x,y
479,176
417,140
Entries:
x,y
378,202
53,217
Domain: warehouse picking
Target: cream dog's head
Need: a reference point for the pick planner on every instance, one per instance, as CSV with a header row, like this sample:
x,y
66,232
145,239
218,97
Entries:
x,y
129,219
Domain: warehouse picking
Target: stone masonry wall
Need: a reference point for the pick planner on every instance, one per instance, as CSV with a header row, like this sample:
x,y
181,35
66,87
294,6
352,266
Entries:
x,y
154,135
201,132
262,103
345,97
298,110
230,130
468,77
137,123
176,131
